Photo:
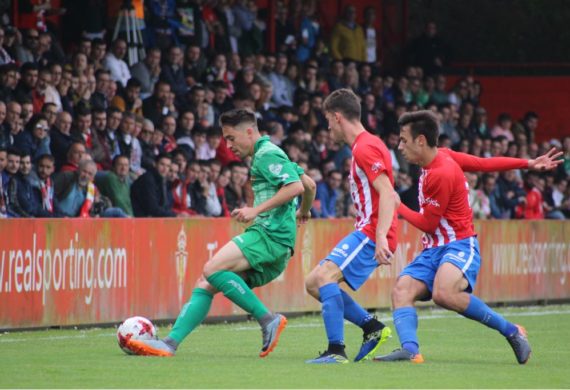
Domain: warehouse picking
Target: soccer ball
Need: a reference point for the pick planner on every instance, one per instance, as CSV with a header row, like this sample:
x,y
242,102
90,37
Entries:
x,y
137,328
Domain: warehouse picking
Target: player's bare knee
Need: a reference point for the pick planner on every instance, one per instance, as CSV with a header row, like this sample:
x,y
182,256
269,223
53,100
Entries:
x,y
204,285
401,296
443,297
311,284
210,268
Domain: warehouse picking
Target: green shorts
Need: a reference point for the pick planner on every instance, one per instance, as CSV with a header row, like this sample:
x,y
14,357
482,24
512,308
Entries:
x,y
268,259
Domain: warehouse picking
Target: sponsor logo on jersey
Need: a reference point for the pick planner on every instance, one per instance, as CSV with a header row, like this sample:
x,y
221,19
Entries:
x,y
432,202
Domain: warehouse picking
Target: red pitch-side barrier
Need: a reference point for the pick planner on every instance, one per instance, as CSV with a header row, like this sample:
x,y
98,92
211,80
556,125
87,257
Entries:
x,y
72,271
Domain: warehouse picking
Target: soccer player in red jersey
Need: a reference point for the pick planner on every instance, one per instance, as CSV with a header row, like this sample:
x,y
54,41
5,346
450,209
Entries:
x,y
447,268
372,243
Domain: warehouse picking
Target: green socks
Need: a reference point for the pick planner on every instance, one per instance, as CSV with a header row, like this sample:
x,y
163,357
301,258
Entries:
x,y
237,291
192,314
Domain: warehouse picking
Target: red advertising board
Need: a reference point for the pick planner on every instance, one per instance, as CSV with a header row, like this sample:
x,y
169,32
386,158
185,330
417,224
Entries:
x,y
72,271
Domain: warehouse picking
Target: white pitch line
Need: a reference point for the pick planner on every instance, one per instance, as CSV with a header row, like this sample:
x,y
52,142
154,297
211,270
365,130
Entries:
x,y
301,326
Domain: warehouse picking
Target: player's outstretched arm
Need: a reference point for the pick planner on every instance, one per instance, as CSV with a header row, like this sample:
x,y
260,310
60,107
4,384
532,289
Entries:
x,y
470,163
285,194
310,190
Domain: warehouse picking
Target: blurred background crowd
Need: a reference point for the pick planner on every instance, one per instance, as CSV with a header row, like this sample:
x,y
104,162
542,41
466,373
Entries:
x,y
88,128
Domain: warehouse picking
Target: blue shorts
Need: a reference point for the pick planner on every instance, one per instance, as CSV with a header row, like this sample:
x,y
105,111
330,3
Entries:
x,y
464,254
354,255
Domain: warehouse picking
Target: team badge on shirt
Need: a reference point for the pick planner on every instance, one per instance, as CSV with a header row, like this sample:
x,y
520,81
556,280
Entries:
x,y
275,168
376,166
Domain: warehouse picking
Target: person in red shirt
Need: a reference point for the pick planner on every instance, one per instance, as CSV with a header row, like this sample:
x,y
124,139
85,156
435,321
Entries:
x,y
446,270
372,243
532,207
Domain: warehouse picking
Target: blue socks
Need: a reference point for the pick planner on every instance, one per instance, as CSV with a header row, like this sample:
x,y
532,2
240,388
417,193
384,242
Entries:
x,y
479,311
333,312
406,323
353,312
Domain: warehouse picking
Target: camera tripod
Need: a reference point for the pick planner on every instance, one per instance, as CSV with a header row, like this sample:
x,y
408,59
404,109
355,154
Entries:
x,y
128,22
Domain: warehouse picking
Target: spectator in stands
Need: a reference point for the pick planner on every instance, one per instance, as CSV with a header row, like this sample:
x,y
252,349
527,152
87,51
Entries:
x,y
195,63
429,51
318,151
204,194
60,138
235,194
98,53
82,131
25,52
103,145
78,196
149,192
221,183
5,57
344,204
102,83
182,202
168,128
327,195
45,92
399,163
34,140
9,80
129,99
114,62
282,94
531,207
18,189
208,150
49,110
347,38
129,145
75,154
370,35
156,106
147,71
511,195
149,150
3,183
116,184
503,127
527,126
27,83
173,72
557,200
45,193
478,200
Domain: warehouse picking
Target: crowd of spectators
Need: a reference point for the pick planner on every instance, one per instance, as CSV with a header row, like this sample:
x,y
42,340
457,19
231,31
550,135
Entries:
x,y
84,134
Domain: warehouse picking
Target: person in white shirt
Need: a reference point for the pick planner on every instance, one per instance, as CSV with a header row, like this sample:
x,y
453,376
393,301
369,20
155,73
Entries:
x,y
114,62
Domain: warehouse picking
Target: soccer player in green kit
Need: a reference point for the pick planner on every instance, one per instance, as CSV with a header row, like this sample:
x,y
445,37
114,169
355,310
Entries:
x,y
260,254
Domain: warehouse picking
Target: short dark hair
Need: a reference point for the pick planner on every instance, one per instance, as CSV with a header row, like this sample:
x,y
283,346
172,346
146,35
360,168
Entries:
x,y
424,123
134,83
344,101
44,156
237,116
530,115
119,156
163,155
14,151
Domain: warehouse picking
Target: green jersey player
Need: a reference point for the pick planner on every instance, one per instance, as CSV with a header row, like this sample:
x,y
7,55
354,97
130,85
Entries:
x,y
260,254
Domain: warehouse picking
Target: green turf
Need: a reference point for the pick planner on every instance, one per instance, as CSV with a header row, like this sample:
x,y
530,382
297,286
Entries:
x,y
459,354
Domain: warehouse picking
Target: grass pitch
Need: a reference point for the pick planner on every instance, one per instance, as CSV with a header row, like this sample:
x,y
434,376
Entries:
x,y
459,354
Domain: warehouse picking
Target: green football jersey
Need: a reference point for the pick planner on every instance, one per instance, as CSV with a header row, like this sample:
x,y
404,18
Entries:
x,y
270,170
